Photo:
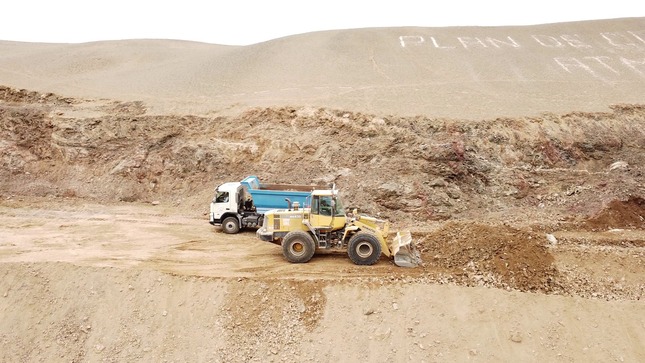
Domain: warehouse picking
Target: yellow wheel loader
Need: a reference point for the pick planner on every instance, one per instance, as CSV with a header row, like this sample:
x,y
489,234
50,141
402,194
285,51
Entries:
x,y
323,224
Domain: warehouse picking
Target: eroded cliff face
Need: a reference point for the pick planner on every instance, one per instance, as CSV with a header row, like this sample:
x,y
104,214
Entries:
x,y
406,169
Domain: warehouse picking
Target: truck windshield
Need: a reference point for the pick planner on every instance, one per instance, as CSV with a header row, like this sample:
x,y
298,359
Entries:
x,y
221,197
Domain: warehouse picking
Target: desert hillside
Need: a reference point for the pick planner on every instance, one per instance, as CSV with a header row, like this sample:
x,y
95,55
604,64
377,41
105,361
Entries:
x,y
466,73
514,155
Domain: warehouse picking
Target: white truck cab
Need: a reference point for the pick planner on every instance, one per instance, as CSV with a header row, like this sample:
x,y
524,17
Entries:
x,y
242,204
228,199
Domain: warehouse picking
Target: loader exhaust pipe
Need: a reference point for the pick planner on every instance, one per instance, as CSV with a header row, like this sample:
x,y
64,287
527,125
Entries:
x,y
288,202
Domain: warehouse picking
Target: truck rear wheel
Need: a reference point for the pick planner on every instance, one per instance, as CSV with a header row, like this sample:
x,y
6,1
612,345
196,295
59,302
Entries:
x,y
298,247
231,225
364,248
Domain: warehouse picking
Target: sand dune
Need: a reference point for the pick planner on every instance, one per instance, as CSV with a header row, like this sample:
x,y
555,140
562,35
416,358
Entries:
x,y
469,72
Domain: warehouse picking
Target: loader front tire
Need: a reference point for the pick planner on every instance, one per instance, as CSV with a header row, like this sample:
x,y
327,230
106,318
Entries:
x,y
364,248
298,247
231,225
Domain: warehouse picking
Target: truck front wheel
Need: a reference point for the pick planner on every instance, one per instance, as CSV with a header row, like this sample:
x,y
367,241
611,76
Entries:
x,y
298,247
364,248
231,225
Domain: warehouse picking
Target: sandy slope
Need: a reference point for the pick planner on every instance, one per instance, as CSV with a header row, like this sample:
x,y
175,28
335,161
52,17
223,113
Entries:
x,y
91,270
71,313
453,72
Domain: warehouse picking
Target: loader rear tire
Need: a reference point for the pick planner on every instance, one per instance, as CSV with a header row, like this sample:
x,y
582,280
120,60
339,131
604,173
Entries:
x,y
364,248
298,247
231,225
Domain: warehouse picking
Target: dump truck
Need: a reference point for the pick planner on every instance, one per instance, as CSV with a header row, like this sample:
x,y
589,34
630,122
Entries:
x,y
322,224
237,205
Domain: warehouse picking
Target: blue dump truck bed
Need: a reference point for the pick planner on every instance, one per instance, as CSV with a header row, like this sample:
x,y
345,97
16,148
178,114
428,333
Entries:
x,y
272,196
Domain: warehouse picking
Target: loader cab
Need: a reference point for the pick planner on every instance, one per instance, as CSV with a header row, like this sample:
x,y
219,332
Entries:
x,y
327,210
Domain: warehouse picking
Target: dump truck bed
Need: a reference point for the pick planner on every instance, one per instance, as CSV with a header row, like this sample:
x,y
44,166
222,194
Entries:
x,y
272,196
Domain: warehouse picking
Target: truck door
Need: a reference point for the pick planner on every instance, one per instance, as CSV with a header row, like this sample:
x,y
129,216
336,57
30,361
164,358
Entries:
x,y
225,201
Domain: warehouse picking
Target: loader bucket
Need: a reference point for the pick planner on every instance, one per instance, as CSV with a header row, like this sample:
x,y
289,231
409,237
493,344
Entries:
x,y
404,252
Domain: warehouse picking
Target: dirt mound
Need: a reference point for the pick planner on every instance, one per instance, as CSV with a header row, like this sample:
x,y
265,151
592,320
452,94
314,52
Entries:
x,y
492,255
629,213
12,95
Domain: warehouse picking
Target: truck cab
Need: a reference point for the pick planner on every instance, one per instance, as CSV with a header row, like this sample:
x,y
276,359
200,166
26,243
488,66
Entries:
x,y
225,200
243,204
232,208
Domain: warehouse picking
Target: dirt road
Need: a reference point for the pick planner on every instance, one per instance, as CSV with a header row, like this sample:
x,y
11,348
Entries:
x,y
132,281
152,237
161,238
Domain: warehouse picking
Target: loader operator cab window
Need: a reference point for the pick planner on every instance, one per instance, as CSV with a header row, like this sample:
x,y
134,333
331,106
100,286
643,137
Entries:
x,y
327,206
221,197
